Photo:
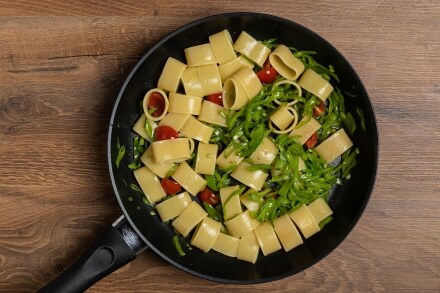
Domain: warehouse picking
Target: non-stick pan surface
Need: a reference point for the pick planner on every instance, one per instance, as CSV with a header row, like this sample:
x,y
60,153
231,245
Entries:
x,y
347,202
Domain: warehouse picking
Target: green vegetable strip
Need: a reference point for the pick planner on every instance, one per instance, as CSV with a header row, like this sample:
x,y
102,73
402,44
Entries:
x,y
121,152
176,243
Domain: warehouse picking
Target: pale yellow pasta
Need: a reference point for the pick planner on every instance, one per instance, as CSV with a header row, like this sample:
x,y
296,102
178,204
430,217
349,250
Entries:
x,y
188,179
197,130
212,113
189,218
287,232
251,48
174,206
234,94
242,224
281,118
170,77
221,44
252,179
298,88
145,104
304,132
267,239
248,248
184,104
228,69
250,204
171,150
174,120
206,234
227,245
265,153
192,144
231,205
305,221
200,55
206,158
315,84
334,146
210,79
319,209
285,63
160,169
249,80
149,184
228,158
191,82
139,127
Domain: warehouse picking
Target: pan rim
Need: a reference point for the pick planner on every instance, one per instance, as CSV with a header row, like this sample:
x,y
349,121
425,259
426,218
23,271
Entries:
x,y
328,249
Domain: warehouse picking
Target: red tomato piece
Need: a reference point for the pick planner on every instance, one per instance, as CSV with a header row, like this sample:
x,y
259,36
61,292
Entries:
x,y
170,186
206,195
267,75
312,141
318,109
165,132
216,98
156,101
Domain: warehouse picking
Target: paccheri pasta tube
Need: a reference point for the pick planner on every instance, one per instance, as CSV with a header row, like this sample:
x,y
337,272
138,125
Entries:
x,y
243,154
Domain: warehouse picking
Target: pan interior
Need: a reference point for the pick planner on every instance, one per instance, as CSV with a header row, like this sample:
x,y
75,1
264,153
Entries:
x,y
347,202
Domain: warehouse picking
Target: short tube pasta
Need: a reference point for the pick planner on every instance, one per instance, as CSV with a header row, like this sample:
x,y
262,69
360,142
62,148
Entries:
x,y
206,234
315,84
309,125
184,104
221,44
146,108
200,55
189,218
206,157
170,77
171,151
149,184
285,63
334,146
191,82
188,178
234,94
253,179
173,207
249,80
209,79
267,238
197,130
251,48
229,68
212,113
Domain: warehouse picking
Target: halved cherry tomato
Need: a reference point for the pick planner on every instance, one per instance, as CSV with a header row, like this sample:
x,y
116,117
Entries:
x,y
156,101
170,186
267,74
165,132
216,98
312,141
206,195
318,109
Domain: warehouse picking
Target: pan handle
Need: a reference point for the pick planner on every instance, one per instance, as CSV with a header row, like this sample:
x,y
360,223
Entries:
x,y
116,246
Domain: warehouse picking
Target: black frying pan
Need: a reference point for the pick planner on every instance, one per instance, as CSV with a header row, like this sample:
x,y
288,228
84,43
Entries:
x,y
140,227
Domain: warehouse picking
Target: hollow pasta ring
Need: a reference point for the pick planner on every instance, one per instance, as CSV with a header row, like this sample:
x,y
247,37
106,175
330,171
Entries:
x,y
147,99
291,127
292,83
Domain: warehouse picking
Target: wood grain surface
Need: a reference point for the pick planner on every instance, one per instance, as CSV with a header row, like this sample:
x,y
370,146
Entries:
x,y
61,66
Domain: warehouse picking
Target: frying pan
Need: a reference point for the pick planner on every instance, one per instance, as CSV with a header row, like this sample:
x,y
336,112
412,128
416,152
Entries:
x,y
140,227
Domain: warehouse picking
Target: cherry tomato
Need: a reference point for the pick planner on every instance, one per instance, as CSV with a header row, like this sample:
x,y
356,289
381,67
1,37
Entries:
x,y
312,141
156,101
170,186
318,109
267,75
206,195
165,132
216,98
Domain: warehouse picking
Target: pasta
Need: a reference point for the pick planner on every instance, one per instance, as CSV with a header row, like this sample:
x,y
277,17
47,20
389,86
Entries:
x,y
251,48
170,76
184,104
200,55
242,155
221,44
334,146
206,234
285,63
314,83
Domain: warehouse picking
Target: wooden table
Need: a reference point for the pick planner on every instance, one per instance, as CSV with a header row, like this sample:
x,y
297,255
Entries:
x,y
61,67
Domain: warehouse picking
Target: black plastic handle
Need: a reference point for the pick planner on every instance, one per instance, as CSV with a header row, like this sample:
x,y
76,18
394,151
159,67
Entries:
x,y
115,247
